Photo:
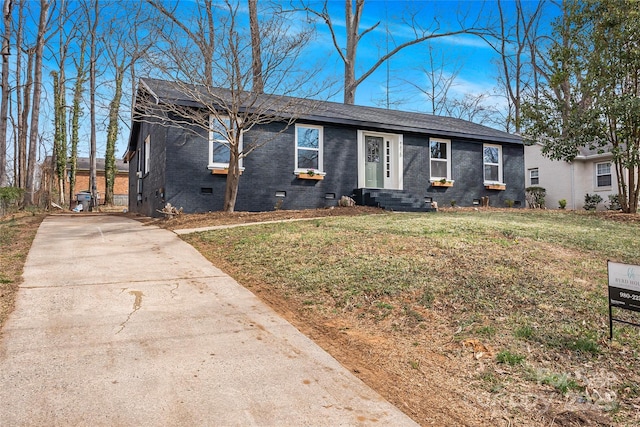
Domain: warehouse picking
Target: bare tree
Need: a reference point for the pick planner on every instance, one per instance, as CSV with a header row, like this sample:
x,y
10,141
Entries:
x,y
354,36
92,12
4,101
37,93
76,111
514,42
226,105
202,36
123,49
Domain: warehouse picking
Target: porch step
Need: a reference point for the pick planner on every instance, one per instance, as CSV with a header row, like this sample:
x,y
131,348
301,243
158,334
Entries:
x,y
391,200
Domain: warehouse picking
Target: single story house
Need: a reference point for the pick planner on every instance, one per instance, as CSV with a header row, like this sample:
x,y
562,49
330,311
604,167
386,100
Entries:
x,y
590,172
393,159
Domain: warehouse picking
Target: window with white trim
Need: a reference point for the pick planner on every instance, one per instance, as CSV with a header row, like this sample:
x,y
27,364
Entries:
x,y
308,153
439,159
147,154
219,147
603,174
534,176
492,163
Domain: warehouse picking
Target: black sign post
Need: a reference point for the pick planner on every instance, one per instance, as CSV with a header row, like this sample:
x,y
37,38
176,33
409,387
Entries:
x,y
624,291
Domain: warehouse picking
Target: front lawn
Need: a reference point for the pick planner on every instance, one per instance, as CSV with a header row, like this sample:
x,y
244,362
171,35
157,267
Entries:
x,y
459,317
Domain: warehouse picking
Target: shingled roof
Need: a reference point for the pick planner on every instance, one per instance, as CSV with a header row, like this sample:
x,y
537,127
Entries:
x,y
354,115
83,164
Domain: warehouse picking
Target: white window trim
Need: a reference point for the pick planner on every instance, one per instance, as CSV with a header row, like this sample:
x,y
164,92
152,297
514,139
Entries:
x,y
531,177
147,154
448,160
499,164
220,165
320,149
603,187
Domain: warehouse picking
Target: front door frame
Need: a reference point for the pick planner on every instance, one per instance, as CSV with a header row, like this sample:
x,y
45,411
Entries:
x,y
394,179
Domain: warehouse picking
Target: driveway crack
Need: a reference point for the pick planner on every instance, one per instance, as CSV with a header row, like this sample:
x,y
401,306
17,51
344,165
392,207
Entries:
x,y
137,303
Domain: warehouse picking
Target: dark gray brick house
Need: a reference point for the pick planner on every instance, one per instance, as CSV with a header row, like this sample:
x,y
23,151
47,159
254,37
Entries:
x,y
393,159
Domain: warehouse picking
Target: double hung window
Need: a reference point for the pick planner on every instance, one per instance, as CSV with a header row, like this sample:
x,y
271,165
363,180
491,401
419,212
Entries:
x,y
603,174
492,162
439,159
308,152
219,146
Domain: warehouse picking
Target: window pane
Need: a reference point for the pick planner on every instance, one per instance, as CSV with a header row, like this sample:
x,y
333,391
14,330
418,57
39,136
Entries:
x,y
373,149
219,132
604,181
308,137
491,155
220,153
438,169
307,159
491,173
604,168
438,150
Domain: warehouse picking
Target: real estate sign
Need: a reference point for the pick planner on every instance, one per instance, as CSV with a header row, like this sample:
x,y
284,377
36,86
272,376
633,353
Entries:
x,y
624,290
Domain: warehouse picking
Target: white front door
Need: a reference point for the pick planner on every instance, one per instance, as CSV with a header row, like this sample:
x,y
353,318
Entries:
x,y
379,160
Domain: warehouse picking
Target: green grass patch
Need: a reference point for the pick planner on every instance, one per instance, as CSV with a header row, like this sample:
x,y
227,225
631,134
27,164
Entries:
x,y
509,358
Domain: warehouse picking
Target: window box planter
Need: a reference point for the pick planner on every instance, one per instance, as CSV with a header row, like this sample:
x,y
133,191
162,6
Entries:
x,y
442,183
221,172
499,187
306,175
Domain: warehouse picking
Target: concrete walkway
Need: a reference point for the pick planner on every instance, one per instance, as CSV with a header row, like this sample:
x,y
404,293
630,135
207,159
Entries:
x,y
118,324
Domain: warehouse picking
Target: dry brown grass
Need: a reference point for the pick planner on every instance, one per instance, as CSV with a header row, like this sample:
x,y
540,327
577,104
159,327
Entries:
x,y
16,235
477,318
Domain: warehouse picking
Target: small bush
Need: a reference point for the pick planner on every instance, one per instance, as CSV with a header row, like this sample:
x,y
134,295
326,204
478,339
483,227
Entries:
x,y
535,197
591,201
614,202
562,203
509,203
10,198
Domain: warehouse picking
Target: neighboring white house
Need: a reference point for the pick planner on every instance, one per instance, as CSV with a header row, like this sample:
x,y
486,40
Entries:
x,y
590,172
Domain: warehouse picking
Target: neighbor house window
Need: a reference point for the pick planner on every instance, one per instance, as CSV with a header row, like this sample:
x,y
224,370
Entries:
x,y
147,154
534,177
492,162
219,147
603,174
439,159
308,154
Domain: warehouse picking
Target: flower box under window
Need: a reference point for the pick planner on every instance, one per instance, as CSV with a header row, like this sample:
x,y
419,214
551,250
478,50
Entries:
x,y
442,183
310,175
221,172
499,187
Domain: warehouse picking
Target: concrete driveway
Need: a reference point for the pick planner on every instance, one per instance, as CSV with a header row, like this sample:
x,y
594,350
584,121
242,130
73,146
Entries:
x,y
119,324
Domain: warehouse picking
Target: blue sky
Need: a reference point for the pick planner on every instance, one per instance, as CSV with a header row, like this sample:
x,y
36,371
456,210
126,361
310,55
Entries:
x,y
474,59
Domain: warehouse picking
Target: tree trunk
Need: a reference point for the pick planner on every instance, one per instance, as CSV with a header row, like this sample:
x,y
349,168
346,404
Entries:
x,y
233,178
112,136
75,120
4,102
256,51
93,186
352,24
35,111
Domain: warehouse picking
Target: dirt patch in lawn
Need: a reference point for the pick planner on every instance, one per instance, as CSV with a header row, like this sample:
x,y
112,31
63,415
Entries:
x,y
209,219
